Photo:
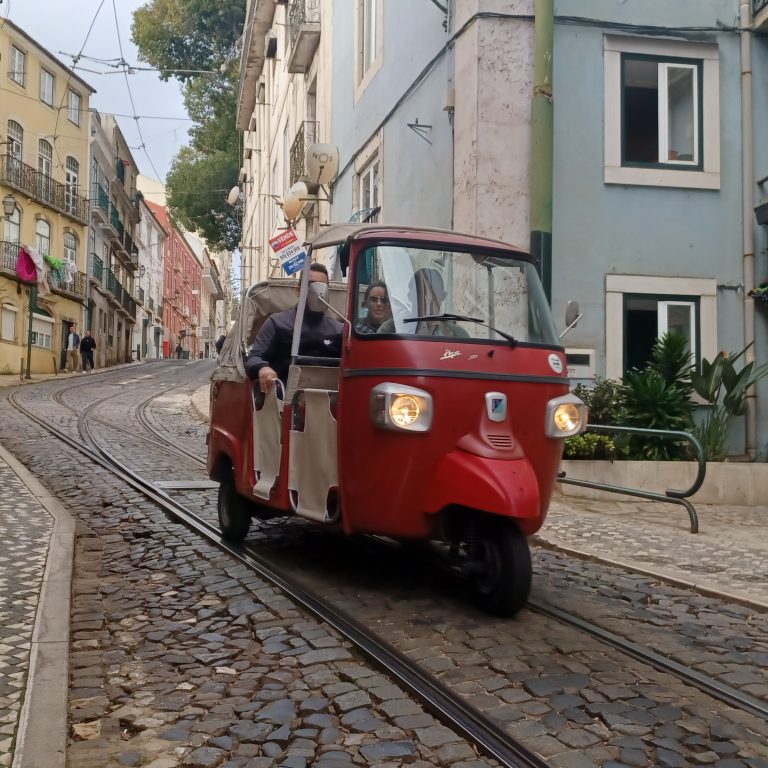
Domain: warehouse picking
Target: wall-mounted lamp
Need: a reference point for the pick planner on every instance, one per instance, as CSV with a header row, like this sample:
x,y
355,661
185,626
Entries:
x,y
142,271
9,205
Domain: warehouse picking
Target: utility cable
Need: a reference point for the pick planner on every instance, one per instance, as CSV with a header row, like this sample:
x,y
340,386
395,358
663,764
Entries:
x,y
130,95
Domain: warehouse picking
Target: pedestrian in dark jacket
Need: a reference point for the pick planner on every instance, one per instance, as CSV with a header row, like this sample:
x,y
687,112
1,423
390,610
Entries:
x,y
269,356
87,345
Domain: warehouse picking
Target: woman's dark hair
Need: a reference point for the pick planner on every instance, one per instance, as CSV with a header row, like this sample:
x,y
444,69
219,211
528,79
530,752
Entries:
x,y
377,284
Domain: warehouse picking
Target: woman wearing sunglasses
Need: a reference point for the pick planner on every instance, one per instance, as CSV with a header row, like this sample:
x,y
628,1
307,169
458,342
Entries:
x,y
376,301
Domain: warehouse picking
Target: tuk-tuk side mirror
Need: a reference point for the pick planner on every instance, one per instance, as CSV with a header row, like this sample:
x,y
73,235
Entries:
x,y
317,296
572,316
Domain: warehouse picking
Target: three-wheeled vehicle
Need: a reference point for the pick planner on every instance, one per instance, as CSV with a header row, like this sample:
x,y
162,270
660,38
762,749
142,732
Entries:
x,y
442,421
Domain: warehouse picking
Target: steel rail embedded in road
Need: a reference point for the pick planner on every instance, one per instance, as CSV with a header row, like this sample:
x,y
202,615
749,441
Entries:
x,y
708,685
438,699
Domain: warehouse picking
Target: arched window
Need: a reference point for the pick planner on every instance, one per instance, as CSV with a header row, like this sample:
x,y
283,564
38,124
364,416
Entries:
x,y
45,157
12,228
43,236
72,174
15,140
70,247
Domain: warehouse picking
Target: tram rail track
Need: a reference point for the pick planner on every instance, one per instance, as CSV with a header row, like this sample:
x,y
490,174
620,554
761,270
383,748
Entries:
x,y
250,557
437,698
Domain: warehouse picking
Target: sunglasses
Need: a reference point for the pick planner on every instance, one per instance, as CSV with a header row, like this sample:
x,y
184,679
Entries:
x,y
378,300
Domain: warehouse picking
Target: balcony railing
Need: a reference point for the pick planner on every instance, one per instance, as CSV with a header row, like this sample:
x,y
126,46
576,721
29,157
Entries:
x,y
304,31
101,202
43,188
96,267
305,136
77,285
9,256
211,282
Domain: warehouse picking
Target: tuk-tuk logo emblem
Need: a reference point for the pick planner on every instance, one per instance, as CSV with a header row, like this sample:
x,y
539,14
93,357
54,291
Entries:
x,y
496,405
449,354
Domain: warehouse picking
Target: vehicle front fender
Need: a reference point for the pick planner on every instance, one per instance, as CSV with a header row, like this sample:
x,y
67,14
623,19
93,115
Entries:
x,y
507,488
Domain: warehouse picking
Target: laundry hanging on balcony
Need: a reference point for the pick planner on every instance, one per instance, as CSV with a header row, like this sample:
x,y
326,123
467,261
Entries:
x,y
38,273
25,267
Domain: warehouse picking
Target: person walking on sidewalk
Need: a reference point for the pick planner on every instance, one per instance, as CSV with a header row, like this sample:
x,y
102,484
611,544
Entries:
x,y
87,345
73,350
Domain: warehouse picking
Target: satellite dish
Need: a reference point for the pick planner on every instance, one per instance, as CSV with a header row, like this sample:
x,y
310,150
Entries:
x,y
233,196
294,200
322,162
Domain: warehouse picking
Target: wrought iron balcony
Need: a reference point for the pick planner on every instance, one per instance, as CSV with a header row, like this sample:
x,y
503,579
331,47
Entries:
x,y
9,256
101,202
305,137
304,33
43,188
96,268
77,285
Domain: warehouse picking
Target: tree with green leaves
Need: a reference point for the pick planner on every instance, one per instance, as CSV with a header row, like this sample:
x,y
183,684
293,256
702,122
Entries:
x,y
196,43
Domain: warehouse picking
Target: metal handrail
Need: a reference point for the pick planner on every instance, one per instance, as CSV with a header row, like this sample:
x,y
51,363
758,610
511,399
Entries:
x,y
671,496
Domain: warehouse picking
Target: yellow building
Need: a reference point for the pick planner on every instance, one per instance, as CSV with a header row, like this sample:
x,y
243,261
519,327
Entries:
x,y
44,135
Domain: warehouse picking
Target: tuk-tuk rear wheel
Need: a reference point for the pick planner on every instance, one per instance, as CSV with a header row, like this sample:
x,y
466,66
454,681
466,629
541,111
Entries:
x,y
502,583
234,511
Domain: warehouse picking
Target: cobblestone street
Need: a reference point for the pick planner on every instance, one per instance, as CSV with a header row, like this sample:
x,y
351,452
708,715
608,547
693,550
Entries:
x,y
182,656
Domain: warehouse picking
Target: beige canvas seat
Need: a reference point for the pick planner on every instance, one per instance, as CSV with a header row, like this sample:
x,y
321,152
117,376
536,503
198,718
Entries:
x,y
260,301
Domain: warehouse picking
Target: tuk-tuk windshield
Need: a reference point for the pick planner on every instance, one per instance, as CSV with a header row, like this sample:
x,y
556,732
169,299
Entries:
x,y
416,291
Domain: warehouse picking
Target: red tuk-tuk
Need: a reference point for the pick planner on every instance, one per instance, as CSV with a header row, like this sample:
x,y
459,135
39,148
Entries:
x,y
444,421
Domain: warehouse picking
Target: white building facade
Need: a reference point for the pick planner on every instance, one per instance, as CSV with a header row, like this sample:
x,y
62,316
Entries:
x,y
148,331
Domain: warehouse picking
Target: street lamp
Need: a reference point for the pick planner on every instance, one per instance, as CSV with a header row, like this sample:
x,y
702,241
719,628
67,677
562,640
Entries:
x,y
9,205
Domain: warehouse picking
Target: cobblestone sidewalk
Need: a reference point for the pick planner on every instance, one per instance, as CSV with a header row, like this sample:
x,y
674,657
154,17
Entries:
x,y
25,531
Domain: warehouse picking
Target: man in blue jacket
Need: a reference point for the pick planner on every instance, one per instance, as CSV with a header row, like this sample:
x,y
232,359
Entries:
x,y
269,357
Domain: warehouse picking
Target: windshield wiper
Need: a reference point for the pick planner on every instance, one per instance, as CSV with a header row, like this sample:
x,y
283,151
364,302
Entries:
x,y
448,316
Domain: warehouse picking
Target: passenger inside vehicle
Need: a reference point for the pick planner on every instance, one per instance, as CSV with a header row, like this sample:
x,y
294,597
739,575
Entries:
x,y
374,308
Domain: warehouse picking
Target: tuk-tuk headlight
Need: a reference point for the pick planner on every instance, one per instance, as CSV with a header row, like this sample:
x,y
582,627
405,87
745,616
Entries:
x,y
401,408
566,416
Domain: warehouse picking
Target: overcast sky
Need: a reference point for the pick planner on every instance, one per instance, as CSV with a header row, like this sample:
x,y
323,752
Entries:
x,y
62,25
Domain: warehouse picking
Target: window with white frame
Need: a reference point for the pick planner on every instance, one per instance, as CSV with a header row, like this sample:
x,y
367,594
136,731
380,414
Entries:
x,y
73,107
8,323
45,157
46,87
12,227
641,309
43,236
368,186
15,140
656,95
367,35
42,329
70,247
18,70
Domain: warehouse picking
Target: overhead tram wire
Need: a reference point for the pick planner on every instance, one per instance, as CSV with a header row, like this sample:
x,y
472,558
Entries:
x,y
65,90
130,95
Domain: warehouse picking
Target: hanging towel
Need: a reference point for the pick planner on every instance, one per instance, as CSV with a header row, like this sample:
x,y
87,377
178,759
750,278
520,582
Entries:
x,y
25,266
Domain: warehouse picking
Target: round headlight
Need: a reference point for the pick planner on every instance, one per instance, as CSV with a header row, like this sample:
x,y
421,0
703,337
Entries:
x,y
567,417
404,410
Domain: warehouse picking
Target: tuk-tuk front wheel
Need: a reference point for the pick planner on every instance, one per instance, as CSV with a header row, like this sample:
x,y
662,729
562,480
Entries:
x,y
502,570
234,511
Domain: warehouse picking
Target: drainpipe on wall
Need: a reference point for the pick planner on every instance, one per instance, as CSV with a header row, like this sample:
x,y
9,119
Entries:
x,y
748,257
541,142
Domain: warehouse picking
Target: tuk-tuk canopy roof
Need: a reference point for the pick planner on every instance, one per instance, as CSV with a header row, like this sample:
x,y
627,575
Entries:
x,y
338,234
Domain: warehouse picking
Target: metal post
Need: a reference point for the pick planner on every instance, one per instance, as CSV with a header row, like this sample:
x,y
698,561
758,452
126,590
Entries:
x,y
32,302
541,142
